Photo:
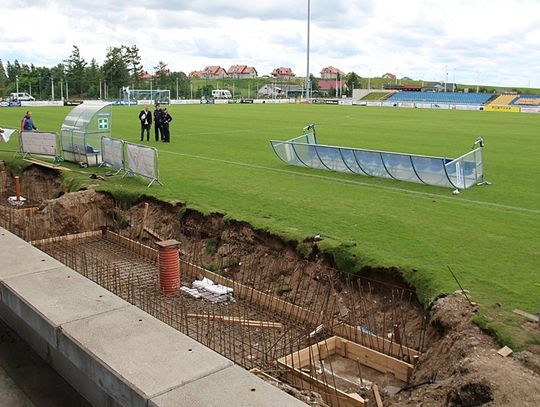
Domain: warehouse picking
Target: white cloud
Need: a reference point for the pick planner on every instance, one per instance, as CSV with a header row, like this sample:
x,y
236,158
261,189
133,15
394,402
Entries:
x,y
496,40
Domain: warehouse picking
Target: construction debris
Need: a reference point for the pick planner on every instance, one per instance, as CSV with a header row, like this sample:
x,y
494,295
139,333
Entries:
x,y
505,351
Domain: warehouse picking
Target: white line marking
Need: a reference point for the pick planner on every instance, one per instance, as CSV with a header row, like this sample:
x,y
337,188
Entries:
x,y
426,195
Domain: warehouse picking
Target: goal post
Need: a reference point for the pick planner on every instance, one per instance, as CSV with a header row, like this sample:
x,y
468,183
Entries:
x,y
148,96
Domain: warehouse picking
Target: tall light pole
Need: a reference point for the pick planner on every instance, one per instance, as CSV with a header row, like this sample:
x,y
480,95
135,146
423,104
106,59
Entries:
x,y
52,89
17,85
308,33
177,88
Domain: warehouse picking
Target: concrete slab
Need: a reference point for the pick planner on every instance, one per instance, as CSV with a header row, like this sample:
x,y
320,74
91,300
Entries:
x,y
20,257
135,357
37,380
48,299
10,394
232,387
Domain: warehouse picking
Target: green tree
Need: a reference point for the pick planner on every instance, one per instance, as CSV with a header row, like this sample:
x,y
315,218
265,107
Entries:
x,y
75,69
93,77
3,79
314,83
134,65
115,71
58,74
353,81
162,75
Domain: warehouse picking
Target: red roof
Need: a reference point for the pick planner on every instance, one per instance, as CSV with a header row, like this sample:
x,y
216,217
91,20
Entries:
x,y
146,75
241,70
196,74
332,70
213,70
282,71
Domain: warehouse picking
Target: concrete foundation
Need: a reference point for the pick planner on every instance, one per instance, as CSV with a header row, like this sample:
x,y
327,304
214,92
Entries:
x,y
113,353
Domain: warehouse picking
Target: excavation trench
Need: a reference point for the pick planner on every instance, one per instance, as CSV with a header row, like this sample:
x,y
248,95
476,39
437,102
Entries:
x,y
292,317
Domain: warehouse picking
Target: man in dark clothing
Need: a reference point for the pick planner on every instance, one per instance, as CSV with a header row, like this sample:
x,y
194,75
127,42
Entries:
x,y
26,123
165,120
158,114
146,121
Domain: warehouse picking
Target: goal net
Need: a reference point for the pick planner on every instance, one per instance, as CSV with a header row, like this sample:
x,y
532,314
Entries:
x,y
147,96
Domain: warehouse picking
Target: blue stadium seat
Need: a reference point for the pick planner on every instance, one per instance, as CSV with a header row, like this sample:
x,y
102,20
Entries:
x,y
441,97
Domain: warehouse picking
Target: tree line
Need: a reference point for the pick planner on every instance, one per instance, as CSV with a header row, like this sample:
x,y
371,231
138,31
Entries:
x,y
76,78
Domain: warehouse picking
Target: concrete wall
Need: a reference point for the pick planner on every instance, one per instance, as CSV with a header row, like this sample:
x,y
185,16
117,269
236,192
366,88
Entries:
x,y
113,353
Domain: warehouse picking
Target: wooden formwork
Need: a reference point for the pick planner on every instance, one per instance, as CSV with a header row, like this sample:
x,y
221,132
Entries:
x,y
296,364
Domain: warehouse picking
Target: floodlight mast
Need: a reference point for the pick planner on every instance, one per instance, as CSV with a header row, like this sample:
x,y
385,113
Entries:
x,y
307,85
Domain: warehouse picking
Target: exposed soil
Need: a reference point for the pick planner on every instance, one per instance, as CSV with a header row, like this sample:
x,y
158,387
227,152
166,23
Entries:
x,y
469,371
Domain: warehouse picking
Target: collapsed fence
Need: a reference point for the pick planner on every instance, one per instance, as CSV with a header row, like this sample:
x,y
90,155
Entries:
x,y
459,173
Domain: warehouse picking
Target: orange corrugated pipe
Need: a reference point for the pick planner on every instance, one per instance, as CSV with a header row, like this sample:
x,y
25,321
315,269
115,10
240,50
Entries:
x,y
169,267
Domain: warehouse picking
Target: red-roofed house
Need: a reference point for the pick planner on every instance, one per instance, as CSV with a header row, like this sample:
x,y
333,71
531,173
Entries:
x,y
146,76
196,74
332,73
214,72
283,73
241,71
389,75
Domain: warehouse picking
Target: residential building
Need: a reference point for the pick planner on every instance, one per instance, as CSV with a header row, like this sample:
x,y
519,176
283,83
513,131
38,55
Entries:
x,y
214,72
241,72
283,73
389,75
196,74
331,72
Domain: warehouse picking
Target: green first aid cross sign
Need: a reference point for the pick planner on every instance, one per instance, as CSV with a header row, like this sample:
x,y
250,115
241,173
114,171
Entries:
x,y
103,124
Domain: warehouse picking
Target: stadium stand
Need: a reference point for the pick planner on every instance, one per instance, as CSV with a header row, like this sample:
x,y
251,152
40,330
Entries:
x,y
527,100
503,100
377,96
441,97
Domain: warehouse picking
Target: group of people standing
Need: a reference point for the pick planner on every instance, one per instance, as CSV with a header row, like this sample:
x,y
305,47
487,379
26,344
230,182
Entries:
x,y
161,120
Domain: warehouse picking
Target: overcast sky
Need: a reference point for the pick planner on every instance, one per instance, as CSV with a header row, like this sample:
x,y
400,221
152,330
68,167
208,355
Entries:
x,y
497,41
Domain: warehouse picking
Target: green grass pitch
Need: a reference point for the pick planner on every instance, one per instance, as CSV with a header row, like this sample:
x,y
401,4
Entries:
x,y
220,160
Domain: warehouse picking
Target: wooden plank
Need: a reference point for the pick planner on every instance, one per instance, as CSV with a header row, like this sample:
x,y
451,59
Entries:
x,y
525,314
301,358
67,238
376,360
143,223
377,395
392,348
132,244
329,393
238,320
153,234
264,300
47,165
274,304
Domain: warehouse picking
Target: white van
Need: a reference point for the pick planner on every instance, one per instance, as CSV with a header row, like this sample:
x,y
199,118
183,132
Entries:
x,y
21,96
222,94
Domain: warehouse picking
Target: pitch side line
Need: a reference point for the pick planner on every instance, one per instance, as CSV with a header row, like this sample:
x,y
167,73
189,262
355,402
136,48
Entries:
x,y
463,201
